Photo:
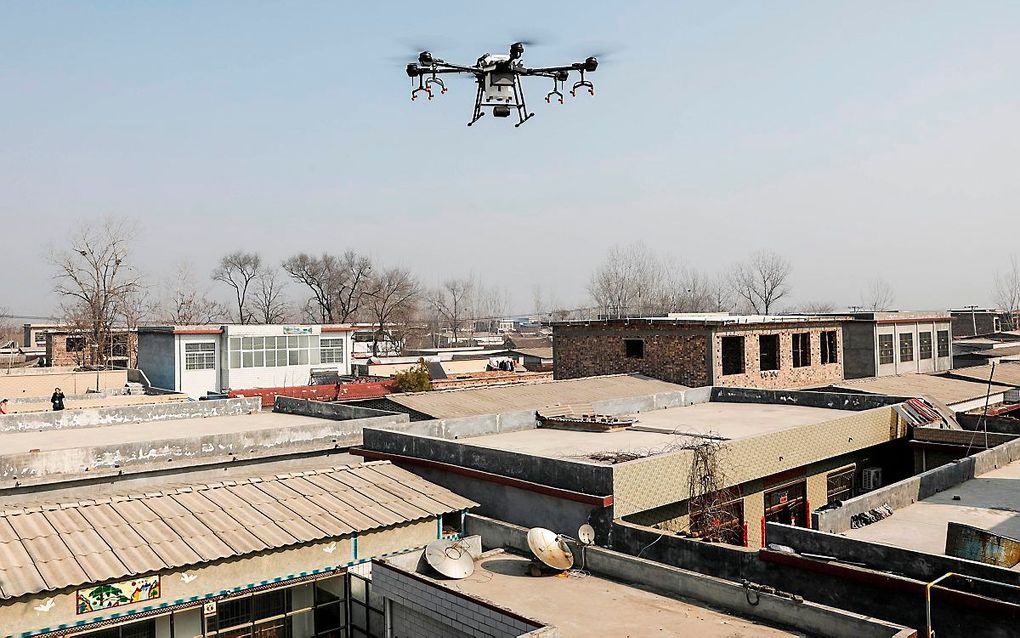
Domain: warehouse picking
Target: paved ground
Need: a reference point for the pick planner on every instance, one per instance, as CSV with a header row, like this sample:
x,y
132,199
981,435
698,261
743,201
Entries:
x,y
990,501
59,439
593,606
728,420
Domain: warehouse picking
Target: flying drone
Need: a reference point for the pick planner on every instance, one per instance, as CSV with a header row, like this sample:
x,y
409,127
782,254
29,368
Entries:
x,y
498,78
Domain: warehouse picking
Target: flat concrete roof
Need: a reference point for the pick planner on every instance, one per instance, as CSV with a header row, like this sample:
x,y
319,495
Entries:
x,y
990,501
942,388
121,433
595,606
726,420
86,402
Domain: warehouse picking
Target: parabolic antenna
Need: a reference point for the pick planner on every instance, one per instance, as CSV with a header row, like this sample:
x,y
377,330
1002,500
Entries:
x,y
449,558
586,534
550,548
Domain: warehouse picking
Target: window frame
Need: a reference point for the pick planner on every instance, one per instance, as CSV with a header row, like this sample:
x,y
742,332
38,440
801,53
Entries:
x,y
906,345
800,349
942,339
723,358
925,351
200,357
829,347
886,356
775,352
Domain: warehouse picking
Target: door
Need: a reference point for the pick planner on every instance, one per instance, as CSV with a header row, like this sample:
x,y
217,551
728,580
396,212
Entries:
x,y
787,504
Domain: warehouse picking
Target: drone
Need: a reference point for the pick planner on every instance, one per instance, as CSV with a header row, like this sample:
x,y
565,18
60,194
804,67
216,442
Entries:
x,y
499,80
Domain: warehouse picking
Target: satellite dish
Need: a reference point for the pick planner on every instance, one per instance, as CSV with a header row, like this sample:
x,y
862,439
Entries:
x,y
449,558
586,534
550,548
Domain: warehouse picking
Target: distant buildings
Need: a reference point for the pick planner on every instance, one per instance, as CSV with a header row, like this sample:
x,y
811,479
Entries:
x,y
705,349
197,360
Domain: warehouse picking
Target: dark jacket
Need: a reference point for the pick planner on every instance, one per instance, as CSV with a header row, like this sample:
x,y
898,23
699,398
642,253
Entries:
x,y
57,400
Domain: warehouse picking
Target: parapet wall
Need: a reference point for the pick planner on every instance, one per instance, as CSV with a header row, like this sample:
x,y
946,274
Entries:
x,y
39,382
150,412
916,488
324,409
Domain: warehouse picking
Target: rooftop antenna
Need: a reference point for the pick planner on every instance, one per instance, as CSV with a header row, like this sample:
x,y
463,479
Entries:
x,y
586,534
449,558
550,548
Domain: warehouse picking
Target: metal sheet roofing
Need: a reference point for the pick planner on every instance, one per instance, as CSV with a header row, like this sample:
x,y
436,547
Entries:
x,y
533,396
92,541
941,388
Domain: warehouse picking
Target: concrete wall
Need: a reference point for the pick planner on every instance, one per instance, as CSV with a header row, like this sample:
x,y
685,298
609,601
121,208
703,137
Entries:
x,y
911,563
860,349
28,382
717,592
915,488
420,607
326,409
147,413
159,453
586,478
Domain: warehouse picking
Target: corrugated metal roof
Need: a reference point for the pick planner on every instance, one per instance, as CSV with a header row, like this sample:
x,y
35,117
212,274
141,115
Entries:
x,y
72,544
531,396
941,388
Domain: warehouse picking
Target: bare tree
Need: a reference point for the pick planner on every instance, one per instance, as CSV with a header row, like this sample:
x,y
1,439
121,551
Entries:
x,y
393,295
625,280
238,270
184,301
878,296
268,303
538,299
8,329
761,281
338,284
452,302
816,308
1007,292
96,283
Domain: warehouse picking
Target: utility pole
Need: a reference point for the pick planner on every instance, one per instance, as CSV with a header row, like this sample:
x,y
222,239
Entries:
x,y
973,317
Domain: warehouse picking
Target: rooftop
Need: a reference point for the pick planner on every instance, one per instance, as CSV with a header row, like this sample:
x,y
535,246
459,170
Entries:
x,y
990,501
102,539
714,319
496,399
593,605
1004,374
84,437
942,388
661,431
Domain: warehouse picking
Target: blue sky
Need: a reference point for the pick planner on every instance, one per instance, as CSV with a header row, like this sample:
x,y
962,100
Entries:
x,y
861,140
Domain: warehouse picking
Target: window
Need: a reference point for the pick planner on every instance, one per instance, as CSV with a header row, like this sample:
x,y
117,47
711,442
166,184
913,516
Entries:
x,y
366,609
200,356
260,352
924,345
801,349
732,355
907,347
74,344
841,485
768,352
885,349
142,629
943,343
634,348
331,350
830,346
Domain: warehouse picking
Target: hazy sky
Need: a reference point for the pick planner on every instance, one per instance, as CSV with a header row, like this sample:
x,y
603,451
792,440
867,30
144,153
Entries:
x,y
860,139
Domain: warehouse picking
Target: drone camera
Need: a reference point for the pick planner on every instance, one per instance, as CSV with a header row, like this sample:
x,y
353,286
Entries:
x,y
501,111
516,50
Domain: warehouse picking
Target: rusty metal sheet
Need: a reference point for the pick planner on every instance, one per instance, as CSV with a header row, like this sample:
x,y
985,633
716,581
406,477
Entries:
x,y
985,546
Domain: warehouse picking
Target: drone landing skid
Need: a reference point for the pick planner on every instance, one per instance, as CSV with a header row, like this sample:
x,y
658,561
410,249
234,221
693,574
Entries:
x,y
518,104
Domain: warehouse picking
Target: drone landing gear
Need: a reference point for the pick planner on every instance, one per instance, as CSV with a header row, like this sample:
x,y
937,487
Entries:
x,y
501,109
421,87
522,109
580,83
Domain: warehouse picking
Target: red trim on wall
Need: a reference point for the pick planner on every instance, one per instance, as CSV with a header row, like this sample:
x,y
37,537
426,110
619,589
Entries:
x,y
538,488
763,531
337,329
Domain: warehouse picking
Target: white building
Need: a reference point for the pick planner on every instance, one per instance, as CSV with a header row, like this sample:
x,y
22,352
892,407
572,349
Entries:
x,y
200,359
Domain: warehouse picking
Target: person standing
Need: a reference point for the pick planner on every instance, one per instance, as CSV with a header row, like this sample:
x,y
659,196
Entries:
x,y
57,399
3,406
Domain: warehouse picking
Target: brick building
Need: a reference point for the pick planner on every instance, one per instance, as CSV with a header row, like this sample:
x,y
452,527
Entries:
x,y
71,347
705,349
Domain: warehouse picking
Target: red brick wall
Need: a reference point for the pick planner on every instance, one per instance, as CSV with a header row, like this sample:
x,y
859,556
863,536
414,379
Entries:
x,y
671,355
787,376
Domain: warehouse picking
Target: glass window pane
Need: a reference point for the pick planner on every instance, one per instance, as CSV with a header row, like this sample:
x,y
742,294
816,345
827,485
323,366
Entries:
x,y
246,343
235,359
270,358
303,357
329,617
292,342
246,359
260,358
303,341
281,357
358,589
293,357
230,613
313,356
258,343
359,616
330,590
376,624
235,343
270,603
313,341
270,343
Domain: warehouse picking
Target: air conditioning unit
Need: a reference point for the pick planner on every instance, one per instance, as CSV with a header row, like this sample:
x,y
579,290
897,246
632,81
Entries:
x,y
1011,396
871,478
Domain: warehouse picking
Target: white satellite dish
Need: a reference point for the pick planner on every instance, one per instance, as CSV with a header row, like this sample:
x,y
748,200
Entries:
x,y
449,558
550,548
586,534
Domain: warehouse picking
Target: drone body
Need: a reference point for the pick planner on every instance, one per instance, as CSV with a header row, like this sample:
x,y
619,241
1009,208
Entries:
x,y
498,79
